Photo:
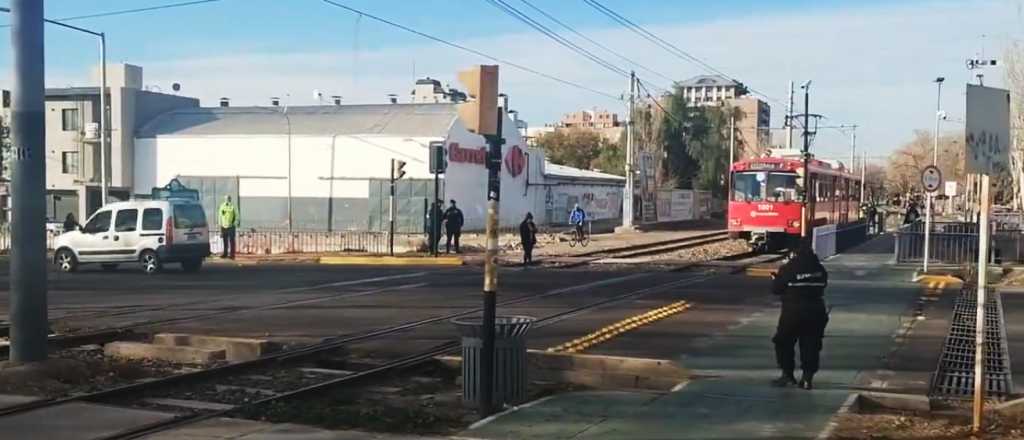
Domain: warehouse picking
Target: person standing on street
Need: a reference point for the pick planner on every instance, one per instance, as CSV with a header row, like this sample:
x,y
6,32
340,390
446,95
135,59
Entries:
x,y
528,235
801,284
453,221
70,223
229,221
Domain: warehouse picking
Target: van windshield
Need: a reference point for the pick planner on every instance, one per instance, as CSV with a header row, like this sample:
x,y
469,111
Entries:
x,y
189,217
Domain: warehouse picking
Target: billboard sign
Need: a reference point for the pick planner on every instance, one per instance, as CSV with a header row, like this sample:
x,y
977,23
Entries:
x,y
988,130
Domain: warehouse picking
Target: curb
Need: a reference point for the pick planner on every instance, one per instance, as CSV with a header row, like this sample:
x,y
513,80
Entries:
x,y
392,261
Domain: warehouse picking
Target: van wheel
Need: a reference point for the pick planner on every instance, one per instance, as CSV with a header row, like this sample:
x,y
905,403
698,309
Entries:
x,y
109,267
150,262
66,261
192,266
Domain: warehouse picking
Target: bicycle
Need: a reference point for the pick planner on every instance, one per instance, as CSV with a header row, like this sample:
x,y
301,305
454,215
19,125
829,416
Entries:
x,y
579,236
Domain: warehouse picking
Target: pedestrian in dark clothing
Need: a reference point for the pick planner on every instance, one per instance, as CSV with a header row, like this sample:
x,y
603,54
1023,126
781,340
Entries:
x,y
912,214
70,223
453,221
801,284
528,235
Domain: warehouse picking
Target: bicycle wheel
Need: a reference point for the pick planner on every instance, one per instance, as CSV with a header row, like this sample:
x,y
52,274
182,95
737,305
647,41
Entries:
x,y
585,240
573,239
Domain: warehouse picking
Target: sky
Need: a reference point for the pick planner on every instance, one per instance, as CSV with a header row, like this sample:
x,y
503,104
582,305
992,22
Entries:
x,y
872,62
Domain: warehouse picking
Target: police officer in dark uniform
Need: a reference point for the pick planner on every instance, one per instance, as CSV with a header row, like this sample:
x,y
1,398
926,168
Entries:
x,y
801,284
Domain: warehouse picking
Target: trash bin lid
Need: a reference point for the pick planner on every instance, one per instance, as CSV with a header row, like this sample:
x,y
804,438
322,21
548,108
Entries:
x,y
505,327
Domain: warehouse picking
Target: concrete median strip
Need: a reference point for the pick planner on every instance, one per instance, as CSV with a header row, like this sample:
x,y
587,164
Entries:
x,y
184,355
597,371
236,349
392,261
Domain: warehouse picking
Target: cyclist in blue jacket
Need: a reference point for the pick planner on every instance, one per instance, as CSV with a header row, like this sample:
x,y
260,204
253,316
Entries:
x,y
576,218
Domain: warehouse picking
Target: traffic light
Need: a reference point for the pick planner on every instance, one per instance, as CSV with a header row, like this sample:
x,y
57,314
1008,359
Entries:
x,y
438,158
397,169
480,112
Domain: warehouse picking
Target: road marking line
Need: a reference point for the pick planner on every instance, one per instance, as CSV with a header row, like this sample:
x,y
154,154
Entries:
x,y
609,332
351,282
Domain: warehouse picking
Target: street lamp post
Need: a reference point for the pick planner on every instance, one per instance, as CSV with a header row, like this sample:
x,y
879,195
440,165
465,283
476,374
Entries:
x,y
806,210
103,99
929,197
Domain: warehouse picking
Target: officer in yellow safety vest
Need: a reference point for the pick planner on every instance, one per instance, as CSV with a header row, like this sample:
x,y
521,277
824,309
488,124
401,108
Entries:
x,y
228,222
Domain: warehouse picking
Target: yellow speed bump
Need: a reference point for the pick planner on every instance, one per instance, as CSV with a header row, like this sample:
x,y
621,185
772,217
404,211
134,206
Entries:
x,y
764,272
938,281
609,332
392,261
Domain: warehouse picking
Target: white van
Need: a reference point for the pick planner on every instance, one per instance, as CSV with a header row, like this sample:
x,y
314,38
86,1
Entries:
x,y
148,232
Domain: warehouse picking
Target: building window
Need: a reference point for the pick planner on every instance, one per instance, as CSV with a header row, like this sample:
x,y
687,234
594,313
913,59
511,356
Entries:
x,y
69,119
69,162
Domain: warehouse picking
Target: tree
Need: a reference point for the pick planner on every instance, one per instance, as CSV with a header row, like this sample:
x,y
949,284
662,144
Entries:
x,y
583,149
903,175
1015,82
680,125
709,146
611,159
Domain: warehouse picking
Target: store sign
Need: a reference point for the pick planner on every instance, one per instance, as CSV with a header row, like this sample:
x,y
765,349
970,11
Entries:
x,y
467,155
515,161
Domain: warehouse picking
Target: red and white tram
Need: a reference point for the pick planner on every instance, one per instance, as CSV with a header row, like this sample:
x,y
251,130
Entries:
x,y
765,199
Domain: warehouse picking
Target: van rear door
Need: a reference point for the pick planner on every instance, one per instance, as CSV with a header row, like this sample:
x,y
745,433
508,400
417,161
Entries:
x,y
189,224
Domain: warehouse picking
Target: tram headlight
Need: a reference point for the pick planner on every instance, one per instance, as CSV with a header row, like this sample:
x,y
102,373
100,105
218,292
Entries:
x,y
794,223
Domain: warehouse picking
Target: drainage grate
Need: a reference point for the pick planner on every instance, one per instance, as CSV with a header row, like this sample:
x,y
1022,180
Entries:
x,y
954,376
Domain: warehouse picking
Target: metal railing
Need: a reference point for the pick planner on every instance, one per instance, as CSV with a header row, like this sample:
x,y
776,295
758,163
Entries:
x,y
956,243
270,241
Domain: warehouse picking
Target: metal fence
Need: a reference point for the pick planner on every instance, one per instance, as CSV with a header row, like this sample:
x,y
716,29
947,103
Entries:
x,y
957,243
265,242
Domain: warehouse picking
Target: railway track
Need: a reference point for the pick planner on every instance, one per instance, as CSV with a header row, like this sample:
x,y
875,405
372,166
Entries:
x,y
648,249
100,336
130,395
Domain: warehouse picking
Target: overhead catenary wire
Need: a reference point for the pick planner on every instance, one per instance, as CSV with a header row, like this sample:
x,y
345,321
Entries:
x,y
667,46
595,42
131,11
470,50
565,42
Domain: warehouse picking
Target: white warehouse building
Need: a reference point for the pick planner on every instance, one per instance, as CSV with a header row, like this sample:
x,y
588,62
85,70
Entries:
x,y
327,167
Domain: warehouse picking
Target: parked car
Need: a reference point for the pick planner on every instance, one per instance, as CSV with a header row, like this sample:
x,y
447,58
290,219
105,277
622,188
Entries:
x,y
148,232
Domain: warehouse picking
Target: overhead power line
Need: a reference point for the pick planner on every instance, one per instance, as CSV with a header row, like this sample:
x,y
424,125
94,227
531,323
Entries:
x,y
519,15
595,43
470,50
667,46
131,11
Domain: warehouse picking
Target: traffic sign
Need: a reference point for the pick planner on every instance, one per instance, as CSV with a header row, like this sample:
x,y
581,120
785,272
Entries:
x,y
931,178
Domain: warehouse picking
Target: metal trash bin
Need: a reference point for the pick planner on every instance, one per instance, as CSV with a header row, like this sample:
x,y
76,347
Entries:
x,y
510,381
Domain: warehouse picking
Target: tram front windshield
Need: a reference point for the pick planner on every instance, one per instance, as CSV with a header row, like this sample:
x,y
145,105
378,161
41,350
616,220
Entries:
x,y
757,186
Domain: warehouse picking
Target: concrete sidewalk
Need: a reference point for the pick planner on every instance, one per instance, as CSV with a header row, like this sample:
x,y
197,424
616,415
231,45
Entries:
x,y
730,397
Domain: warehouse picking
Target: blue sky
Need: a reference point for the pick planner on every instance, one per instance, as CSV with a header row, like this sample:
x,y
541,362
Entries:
x,y
871,61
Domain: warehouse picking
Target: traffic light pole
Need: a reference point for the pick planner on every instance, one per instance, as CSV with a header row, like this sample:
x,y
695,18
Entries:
x,y
494,143
435,221
391,212
28,241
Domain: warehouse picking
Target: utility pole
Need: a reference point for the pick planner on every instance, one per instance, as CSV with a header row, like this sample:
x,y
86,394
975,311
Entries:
x,y
853,147
484,118
863,175
494,141
104,122
929,196
391,211
805,229
28,314
627,196
789,119
979,317
732,153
